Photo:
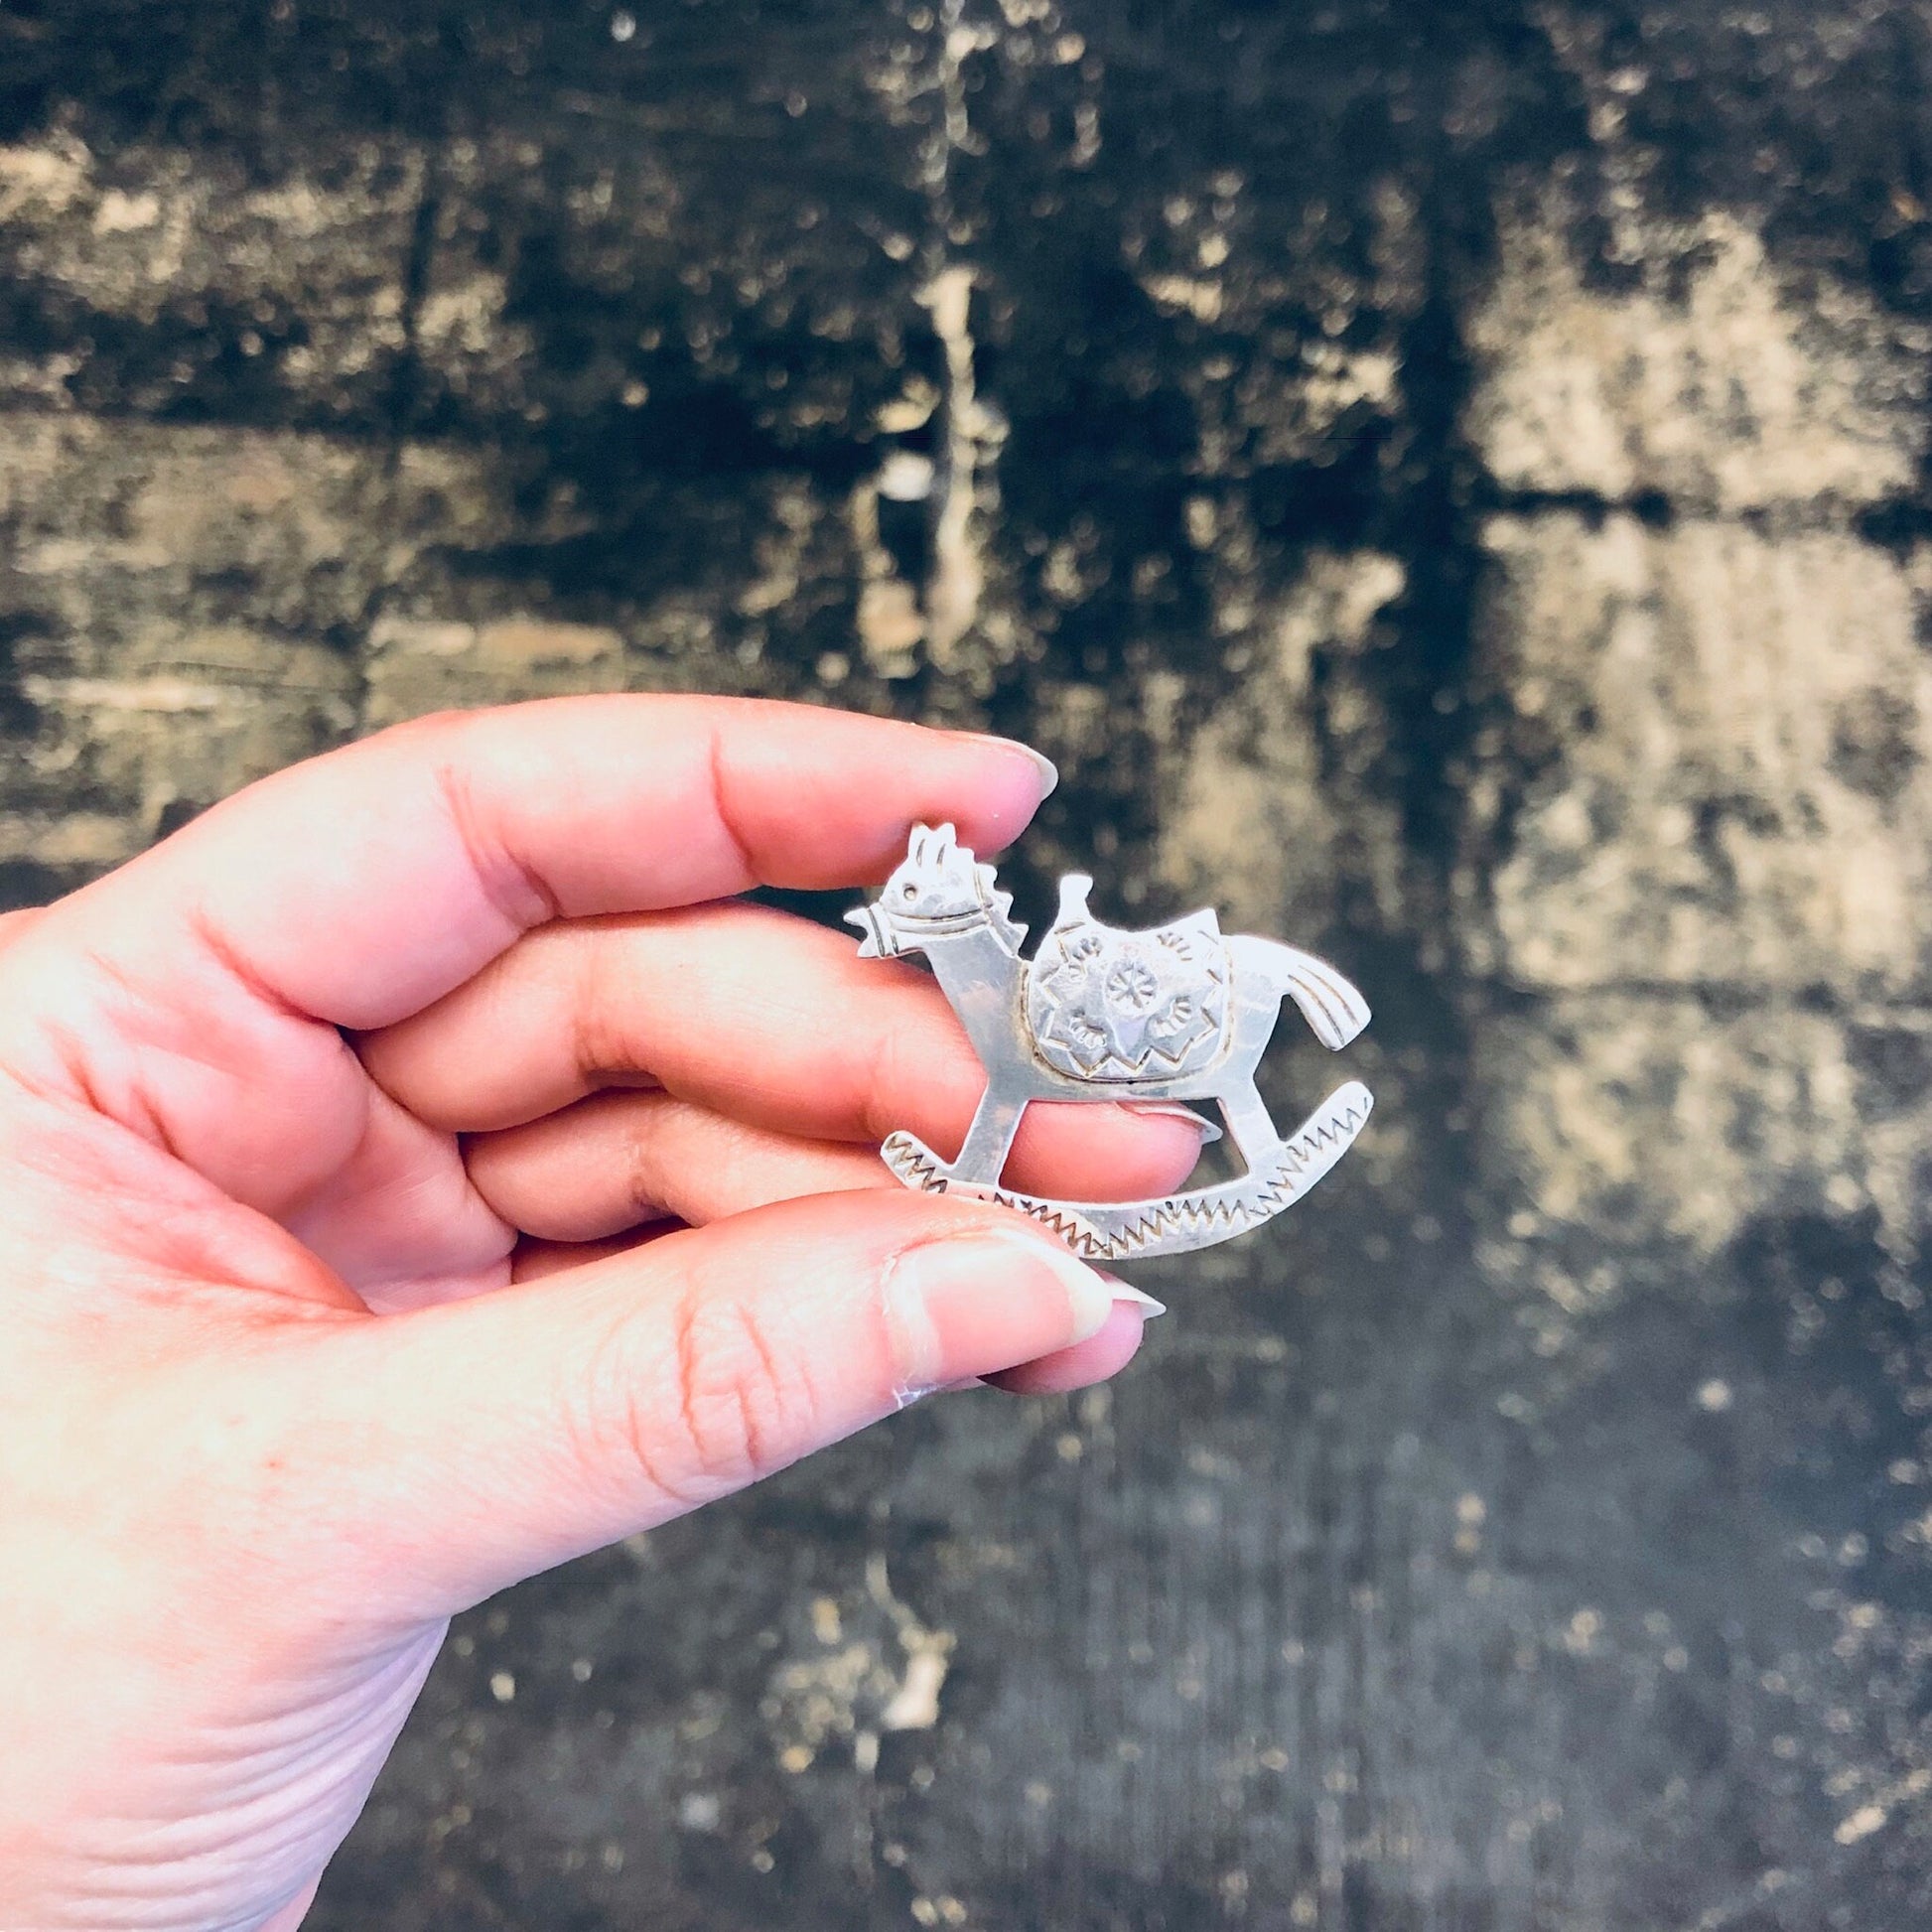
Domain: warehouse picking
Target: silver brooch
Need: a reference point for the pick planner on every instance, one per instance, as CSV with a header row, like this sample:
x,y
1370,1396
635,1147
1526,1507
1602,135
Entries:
x,y
1178,1013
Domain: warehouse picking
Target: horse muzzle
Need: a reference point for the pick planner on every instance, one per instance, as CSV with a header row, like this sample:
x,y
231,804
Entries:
x,y
876,944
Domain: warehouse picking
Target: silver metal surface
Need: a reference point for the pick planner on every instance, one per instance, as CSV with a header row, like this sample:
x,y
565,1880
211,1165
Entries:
x,y
1182,1012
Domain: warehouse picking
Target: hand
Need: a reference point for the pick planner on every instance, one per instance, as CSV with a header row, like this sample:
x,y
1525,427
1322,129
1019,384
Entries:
x,y
297,1113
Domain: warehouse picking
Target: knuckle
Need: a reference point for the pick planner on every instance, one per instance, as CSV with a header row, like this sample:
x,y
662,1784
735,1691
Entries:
x,y
602,1009
691,1412
745,1410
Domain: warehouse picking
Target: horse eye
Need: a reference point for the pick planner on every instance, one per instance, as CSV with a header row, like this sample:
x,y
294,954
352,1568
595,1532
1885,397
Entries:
x,y
908,892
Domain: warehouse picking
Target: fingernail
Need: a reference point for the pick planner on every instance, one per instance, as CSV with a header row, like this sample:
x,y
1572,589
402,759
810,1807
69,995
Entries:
x,y
1127,1292
1174,1110
973,1305
904,1398
1047,772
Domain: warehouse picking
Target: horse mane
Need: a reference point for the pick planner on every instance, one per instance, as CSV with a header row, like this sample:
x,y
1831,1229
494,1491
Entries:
x,y
999,910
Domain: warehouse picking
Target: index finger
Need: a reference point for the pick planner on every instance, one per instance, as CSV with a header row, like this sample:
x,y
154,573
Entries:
x,y
362,886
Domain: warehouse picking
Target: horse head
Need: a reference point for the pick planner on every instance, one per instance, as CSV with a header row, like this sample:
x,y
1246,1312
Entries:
x,y
938,889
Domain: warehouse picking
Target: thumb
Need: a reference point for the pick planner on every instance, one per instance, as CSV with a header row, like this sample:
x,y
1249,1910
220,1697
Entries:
x,y
460,1447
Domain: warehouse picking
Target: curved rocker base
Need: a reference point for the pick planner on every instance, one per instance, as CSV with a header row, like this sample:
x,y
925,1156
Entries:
x,y
1278,1176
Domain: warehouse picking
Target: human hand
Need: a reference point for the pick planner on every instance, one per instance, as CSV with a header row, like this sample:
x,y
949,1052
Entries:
x,y
297,1112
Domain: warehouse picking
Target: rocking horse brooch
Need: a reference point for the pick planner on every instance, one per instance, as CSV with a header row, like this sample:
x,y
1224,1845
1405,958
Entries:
x,y
1179,1013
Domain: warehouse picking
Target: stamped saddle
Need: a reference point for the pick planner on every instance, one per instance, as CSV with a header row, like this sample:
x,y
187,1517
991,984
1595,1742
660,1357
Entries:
x,y
1107,1005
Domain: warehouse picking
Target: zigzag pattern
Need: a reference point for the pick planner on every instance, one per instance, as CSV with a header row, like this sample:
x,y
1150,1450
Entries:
x,y
1100,1231
918,1166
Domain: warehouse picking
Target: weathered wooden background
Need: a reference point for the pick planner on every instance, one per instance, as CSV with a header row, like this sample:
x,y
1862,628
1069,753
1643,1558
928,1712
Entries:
x,y
1448,483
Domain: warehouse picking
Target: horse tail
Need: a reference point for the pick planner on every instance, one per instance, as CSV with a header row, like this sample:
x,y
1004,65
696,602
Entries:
x,y
1328,1003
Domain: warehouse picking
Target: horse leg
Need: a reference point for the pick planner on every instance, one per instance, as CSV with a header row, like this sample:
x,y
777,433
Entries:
x,y
1250,1126
983,1155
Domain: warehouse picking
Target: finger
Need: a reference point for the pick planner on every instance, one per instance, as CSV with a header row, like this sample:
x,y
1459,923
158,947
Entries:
x,y
397,1218
469,1445
536,1257
1085,1363
756,1015
290,1917
356,889
619,1160
1094,1360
